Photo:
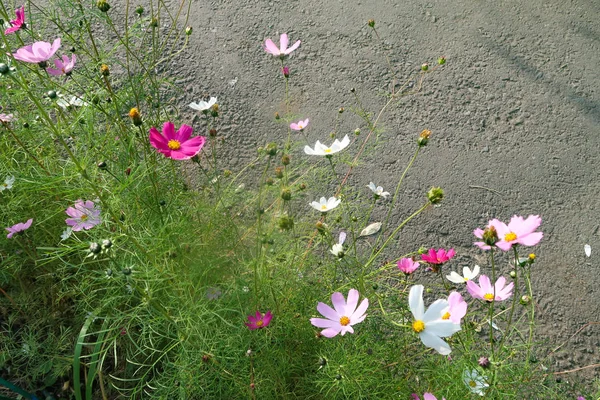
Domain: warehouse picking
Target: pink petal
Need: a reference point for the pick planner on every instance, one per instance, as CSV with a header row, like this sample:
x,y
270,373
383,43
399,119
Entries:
x,y
353,296
503,245
27,224
184,133
169,131
54,72
330,332
359,315
294,47
157,140
12,29
474,290
72,212
283,43
345,329
482,245
485,284
499,284
339,303
271,48
530,240
328,312
325,323
267,318
478,232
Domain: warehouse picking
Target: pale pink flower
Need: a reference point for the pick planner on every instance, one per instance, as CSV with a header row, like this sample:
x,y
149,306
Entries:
x,y
6,118
63,67
176,145
457,308
427,396
519,231
343,317
271,48
38,52
300,125
485,290
408,265
438,257
20,227
18,22
259,320
84,215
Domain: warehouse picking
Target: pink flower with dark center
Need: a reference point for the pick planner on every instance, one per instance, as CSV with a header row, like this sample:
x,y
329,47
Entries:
x,y
438,257
457,308
38,52
485,290
271,48
259,320
18,22
63,67
300,125
176,145
340,319
408,265
17,228
519,231
84,215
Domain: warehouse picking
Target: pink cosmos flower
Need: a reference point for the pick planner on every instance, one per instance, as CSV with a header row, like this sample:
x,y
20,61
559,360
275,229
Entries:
x,y
438,257
38,52
485,290
20,227
18,22
457,308
343,317
271,48
300,125
176,145
259,320
6,118
407,265
63,67
519,231
84,215
426,396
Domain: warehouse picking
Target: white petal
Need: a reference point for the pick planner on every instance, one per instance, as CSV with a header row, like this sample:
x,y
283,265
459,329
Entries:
x,y
588,250
474,273
435,343
434,311
455,277
342,238
371,229
415,302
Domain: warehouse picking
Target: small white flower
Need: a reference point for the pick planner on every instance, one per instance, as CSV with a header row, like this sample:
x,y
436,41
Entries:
x,y
245,289
204,105
378,190
67,101
475,382
325,205
371,229
429,324
8,183
322,150
467,275
587,248
337,249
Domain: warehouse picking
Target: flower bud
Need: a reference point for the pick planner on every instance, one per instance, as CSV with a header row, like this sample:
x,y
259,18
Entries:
x,y
435,195
513,274
107,244
189,30
424,67
154,22
285,222
279,172
271,149
103,5
286,194
269,181
524,300
126,271
51,94
277,115
371,23
357,131
442,60
321,227
135,116
484,362
139,10
4,69
104,70
285,160
531,258
212,132
341,110
302,186
423,137
286,71
490,236
95,248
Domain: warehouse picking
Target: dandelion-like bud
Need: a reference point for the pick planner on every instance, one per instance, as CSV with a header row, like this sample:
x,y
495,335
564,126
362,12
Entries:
x,y
423,137
135,116
104,70
189,30
484,362
435,195
4,69
154,22
424,67
279,172
271,149
139,10
371,23
286,194
285,160
103,5
490,235
531,258
441,60
286,71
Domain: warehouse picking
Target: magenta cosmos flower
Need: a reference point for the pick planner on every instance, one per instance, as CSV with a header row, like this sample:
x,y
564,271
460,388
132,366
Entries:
x,y
259,320
20,227
271,48
18,22
300,125
485,290
38,52
84,215
518,231
340,319
63,67
407,265
457,308
176,145
438,257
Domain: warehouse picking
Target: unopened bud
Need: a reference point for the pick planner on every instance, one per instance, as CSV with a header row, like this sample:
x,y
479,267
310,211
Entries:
x,y
103,5
357,131
423,137
321,227
371,23
214,110
484,362
95,248
524,300
269,181
435,195
285,222
302,186
286,71
279,173
189,30
4,68
441,60
341,110
286,194
531,258
271,149
424,67
104,70
212,132
154,22
277,115
513,274
135,116
285,160
101,165
490,235
139,10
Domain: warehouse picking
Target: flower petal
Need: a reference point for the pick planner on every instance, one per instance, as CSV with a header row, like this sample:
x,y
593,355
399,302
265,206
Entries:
x,y
339,303
415,302
183,133
435,310
434,342
325,323
359,314
283,42
271,48
328,312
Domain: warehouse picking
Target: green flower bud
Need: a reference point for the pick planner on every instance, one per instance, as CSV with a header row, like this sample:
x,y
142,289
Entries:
x,y
103,5
435,195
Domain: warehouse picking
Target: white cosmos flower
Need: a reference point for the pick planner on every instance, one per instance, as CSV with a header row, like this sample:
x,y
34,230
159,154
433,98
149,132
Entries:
x,y
378,190
475,382
337,249
204,105
8,183
69,101
325,205
322,150
429,324
467,275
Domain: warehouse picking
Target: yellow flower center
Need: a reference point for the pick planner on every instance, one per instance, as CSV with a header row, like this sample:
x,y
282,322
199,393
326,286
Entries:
x,y
418,326
174,144
259,323
344,320
327,150
488,297
472,383
466,279
509,237
324,207
83,217
5,185
446,316
300,126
